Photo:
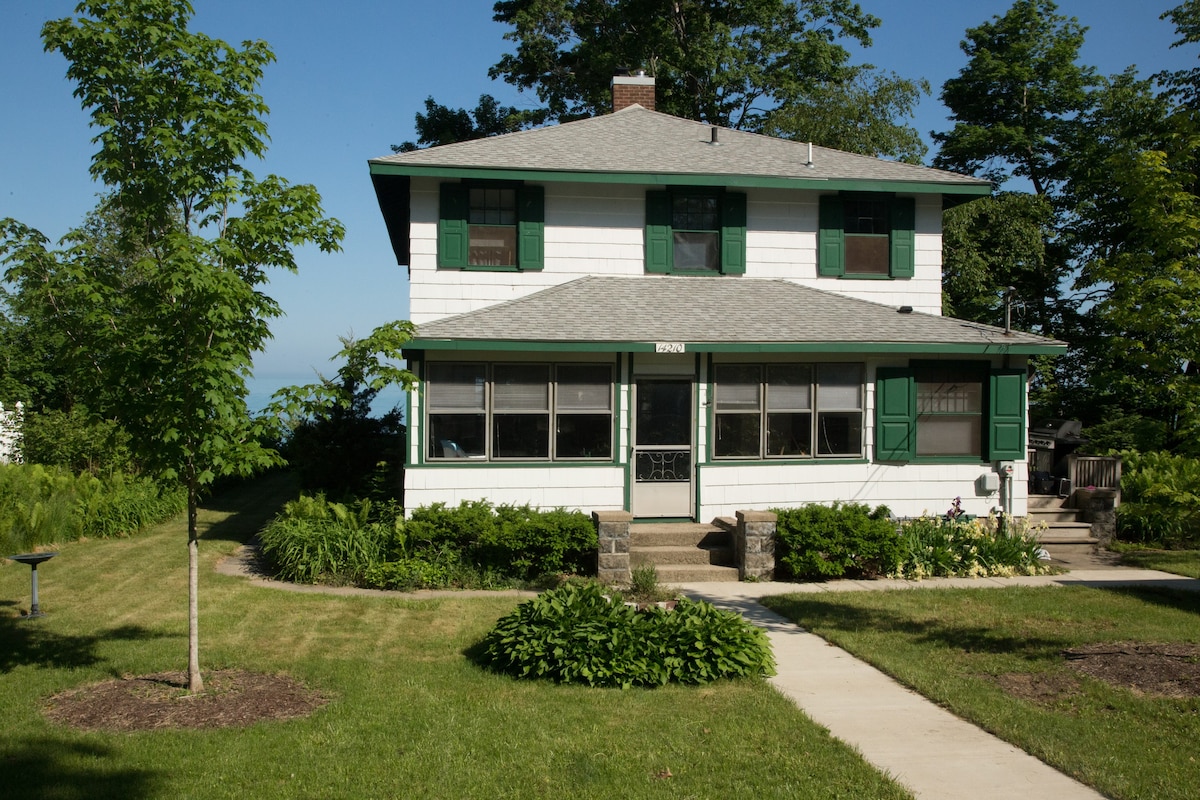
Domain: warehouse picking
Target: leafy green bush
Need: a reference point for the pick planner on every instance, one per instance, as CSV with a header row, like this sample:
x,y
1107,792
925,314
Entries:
x,y
844,539
1160,500
469,546
314,540
40,505
515,541
76,442
578,634
997,545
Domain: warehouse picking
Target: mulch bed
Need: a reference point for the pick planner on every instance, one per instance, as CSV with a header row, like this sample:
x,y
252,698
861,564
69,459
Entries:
x,y
231,698
1144,668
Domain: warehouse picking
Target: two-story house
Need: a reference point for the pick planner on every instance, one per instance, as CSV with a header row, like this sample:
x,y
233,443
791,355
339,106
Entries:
x,y
645,313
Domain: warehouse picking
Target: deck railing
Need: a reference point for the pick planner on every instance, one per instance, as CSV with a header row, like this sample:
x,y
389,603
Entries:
x,y
1100,472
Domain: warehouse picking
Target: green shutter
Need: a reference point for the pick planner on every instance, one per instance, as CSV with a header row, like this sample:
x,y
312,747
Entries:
x,y
454,236
659,253
904,237
831,240
733,233
1006,415
895,414
531,227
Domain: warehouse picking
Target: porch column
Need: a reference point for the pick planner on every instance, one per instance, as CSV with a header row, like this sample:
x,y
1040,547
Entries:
x,y
612,545
754,545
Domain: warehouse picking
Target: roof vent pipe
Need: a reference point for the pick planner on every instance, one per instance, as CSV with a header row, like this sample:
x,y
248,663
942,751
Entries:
x,y
810,164
715,135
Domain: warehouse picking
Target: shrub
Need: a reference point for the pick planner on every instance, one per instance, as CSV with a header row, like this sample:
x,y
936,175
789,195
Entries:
x,y
836,541
314,540
40,505
1160,500
469,546
997,545
515,541
578,634
76,442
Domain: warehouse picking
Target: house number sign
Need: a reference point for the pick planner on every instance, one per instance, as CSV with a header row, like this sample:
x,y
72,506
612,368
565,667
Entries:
x,y
668,347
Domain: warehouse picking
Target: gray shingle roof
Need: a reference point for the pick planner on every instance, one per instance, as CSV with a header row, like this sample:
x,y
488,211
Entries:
x,y
723,311
636,140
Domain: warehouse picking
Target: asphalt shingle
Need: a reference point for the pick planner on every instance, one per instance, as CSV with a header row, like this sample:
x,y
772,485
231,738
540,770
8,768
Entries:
x,y
636,140
709,310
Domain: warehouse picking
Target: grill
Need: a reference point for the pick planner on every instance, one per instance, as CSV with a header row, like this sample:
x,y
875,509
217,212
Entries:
x,y
1050,442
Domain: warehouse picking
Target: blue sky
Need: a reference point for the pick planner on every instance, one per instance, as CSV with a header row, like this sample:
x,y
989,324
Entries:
x,y
348,80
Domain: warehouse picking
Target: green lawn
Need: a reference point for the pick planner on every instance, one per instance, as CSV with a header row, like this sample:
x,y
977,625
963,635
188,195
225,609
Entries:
x,y
1181,562
960,647
411,716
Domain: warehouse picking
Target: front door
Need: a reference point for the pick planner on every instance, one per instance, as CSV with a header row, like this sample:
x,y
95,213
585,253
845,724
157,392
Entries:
x,y
662,449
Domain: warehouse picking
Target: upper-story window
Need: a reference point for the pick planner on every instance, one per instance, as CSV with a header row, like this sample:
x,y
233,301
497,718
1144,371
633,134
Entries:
x,y
491,225
696,231
867,236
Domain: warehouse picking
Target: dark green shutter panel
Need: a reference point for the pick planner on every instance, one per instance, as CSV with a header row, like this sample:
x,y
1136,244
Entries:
x,y
1006,415
659,254
454,235
531,227
831,240
904,237
895,414
733,233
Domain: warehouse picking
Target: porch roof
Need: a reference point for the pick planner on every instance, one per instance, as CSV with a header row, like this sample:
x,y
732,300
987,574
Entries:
x,y
713,314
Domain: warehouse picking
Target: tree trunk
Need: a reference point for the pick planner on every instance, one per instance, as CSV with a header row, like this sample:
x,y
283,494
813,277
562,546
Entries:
x,y
195,681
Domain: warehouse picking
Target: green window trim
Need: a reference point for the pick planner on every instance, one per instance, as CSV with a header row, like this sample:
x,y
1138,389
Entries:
x,y
896,416
454,229
659,238
831,237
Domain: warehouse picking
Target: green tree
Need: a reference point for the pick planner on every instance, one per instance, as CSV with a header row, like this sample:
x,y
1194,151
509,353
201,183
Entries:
x,y
764,65
170,341
333,441
1016,108
1018,96
442,125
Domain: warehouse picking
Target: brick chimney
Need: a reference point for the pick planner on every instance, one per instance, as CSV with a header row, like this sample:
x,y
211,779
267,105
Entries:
x,y
630,89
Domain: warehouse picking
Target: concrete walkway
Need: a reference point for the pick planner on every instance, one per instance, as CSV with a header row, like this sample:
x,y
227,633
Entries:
x,y
933,753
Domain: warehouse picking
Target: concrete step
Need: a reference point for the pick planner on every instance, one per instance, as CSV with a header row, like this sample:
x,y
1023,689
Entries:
x,y
1047,501
682,534
1053,516
672,574
678,555
1068,533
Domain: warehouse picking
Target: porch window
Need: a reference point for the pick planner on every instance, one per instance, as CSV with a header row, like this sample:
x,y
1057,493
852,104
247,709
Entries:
x,y
526,412
950,411
457,398
788,410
